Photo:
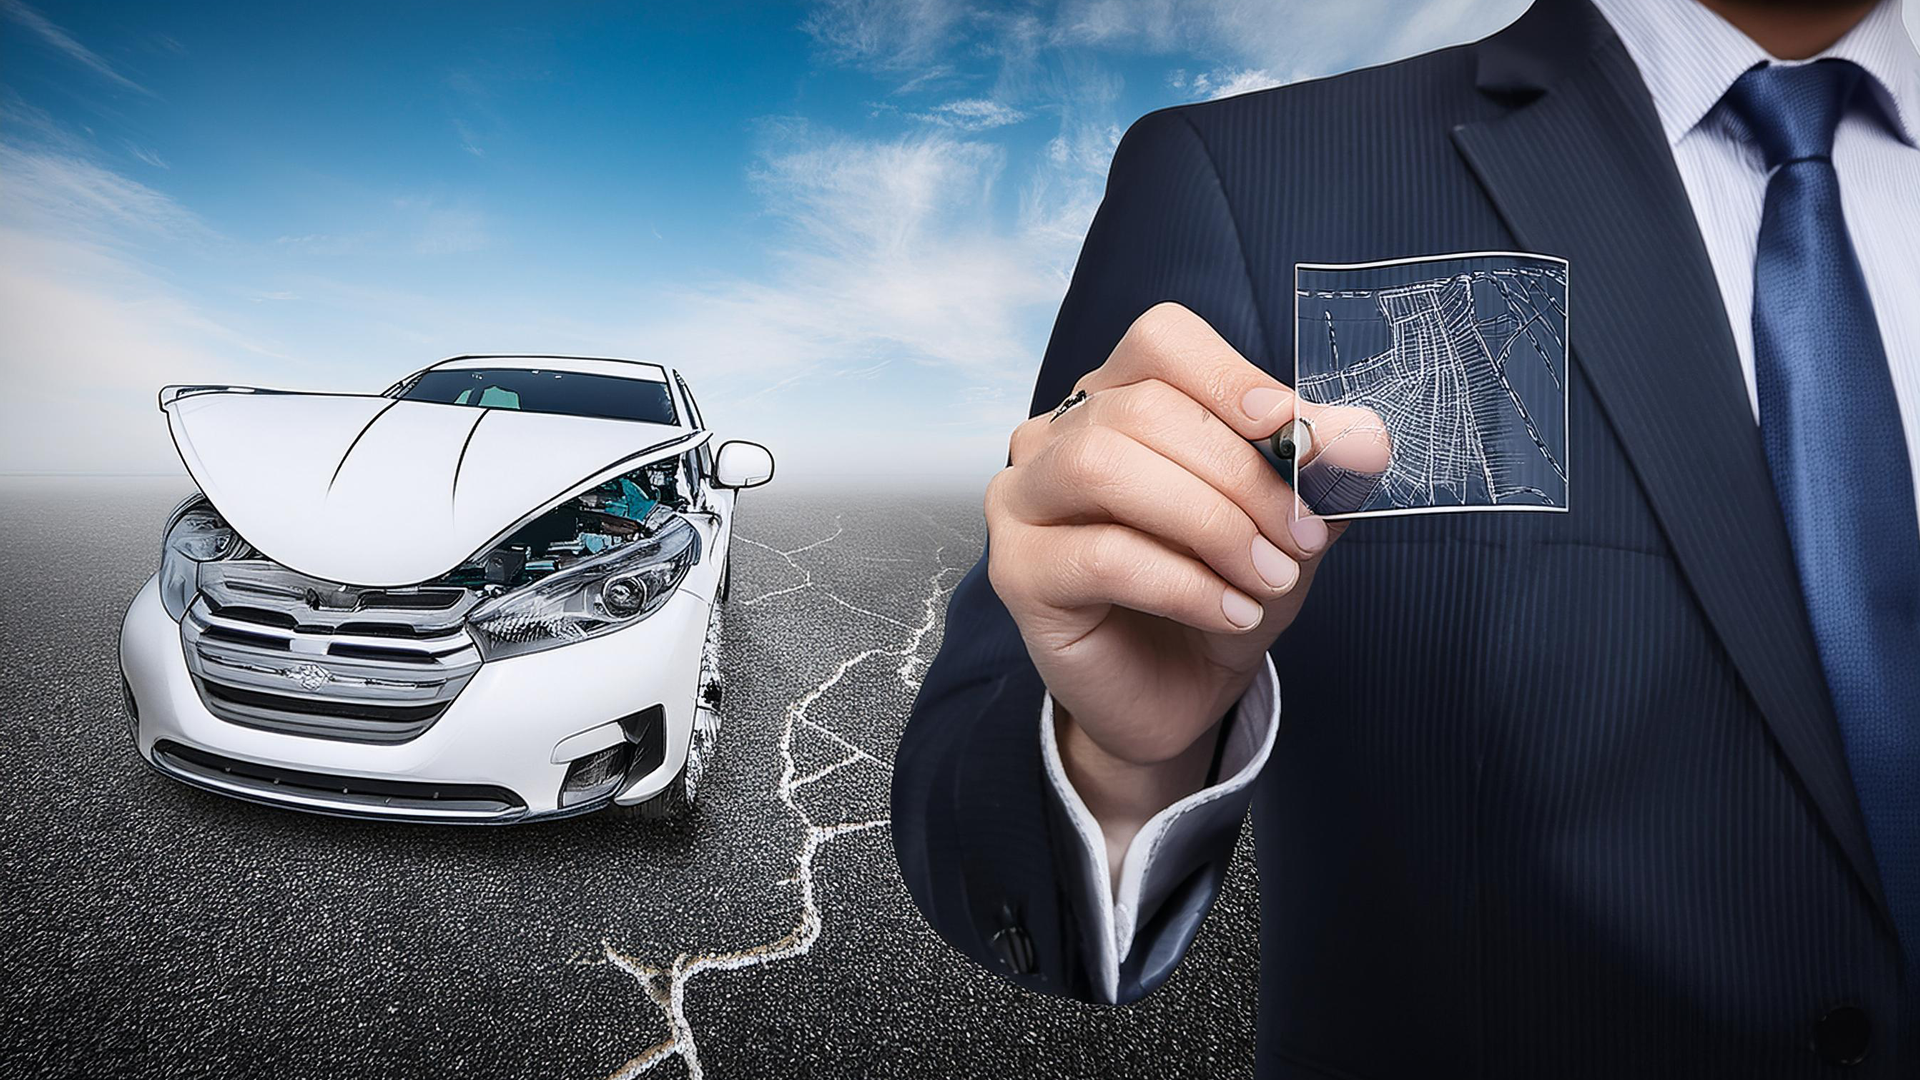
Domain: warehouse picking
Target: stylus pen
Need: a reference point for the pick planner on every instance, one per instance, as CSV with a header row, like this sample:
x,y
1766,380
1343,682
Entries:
x,y
1284,448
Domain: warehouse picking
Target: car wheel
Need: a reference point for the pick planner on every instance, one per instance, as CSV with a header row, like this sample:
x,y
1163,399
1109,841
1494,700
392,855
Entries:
x,y
674,802
726,578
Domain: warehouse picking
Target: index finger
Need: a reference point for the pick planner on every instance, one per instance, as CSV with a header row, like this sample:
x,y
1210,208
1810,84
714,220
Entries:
x,y
1172,344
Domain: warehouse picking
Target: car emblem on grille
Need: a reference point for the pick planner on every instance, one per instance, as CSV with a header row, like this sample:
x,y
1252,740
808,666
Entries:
x,y
339,598
310,677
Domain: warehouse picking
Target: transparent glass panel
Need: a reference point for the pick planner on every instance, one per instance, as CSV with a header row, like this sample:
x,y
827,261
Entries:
x,y
1444,380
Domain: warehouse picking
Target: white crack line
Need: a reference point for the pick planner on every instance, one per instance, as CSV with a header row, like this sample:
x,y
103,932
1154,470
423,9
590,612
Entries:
x,y
845,744
806,575
666,985
838,528
870,614
821,774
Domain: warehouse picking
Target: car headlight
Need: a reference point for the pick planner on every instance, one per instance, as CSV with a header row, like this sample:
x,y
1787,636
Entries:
x,y
595,596
195,534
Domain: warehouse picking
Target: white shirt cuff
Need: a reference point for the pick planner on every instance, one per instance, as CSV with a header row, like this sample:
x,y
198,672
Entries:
x,y
1171,845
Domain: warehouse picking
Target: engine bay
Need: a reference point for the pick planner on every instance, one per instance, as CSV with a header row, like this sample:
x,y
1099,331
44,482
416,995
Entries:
x,y
617,512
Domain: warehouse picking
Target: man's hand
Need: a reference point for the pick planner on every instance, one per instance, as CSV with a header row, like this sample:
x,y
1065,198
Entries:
x,y
1150,555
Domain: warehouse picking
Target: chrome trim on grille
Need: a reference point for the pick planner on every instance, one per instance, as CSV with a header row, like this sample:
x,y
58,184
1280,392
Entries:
x,y
291,600
273,649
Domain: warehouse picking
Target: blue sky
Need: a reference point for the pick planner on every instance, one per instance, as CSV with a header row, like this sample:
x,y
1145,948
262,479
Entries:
x,y
849,223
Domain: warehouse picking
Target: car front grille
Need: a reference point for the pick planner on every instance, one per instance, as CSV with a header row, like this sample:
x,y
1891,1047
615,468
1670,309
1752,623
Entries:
x,y
270,648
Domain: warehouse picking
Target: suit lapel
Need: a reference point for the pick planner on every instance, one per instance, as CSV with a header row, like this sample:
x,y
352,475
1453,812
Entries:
x,y
1582,170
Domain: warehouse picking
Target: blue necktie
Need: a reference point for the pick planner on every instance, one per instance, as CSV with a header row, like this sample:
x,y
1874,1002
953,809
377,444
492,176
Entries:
x,y
1832,431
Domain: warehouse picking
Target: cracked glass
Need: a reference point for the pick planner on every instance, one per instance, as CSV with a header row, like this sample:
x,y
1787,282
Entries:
x,y
1460,362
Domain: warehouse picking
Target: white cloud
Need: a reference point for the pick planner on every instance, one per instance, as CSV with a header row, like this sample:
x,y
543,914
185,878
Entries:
x,y
146,156
1227,82
54,187
25,123
1138,25
409,225
1282,40
972,114
65,43
888,252
886,33
468,140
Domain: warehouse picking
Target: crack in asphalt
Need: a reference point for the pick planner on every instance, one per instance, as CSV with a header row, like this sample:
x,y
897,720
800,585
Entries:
x,y
806,575
666,984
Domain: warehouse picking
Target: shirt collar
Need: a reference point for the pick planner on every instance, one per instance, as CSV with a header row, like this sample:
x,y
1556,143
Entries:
x,y
1885,48
1688,56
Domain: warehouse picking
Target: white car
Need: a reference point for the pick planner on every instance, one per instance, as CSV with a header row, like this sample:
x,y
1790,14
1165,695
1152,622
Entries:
x,y
489,594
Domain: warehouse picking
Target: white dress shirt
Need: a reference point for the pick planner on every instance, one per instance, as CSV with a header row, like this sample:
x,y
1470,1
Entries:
x,y
1688,56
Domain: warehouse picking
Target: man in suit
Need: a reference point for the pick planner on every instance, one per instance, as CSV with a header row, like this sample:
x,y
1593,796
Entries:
x,y
1632,790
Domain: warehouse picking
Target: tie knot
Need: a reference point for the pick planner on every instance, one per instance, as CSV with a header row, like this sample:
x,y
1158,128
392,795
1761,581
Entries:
x,y
1792,111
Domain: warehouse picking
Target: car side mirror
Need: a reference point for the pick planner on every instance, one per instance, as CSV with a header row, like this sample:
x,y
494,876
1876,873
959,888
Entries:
x,y
741,464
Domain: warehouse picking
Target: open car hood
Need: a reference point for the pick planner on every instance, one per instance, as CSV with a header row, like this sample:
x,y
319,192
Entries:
x,y
375,491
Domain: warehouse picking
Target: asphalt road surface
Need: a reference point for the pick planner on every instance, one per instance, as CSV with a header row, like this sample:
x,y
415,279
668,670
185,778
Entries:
x,y
150,929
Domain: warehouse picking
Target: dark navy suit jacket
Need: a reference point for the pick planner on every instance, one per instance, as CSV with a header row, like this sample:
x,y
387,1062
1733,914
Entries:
x,y
1554,795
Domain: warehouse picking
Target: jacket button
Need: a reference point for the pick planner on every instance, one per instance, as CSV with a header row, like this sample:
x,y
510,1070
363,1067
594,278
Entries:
x,y
1840,1036
1012,945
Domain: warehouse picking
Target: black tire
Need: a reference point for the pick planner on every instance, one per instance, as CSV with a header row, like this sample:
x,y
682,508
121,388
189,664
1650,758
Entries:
x,y
726,578
671,804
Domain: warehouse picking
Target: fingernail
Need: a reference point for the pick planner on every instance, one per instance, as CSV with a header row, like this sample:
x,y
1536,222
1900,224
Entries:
x,y
1261,401
1310,533
1240,609
1272,564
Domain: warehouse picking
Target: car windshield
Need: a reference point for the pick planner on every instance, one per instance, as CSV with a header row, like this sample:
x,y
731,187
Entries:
x,y
572,393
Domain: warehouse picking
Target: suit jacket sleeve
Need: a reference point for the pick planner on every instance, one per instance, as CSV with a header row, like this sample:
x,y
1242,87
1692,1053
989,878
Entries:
x,y
984,845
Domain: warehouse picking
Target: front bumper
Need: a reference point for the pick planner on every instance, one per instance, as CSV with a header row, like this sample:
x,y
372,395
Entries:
x,y
498,753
